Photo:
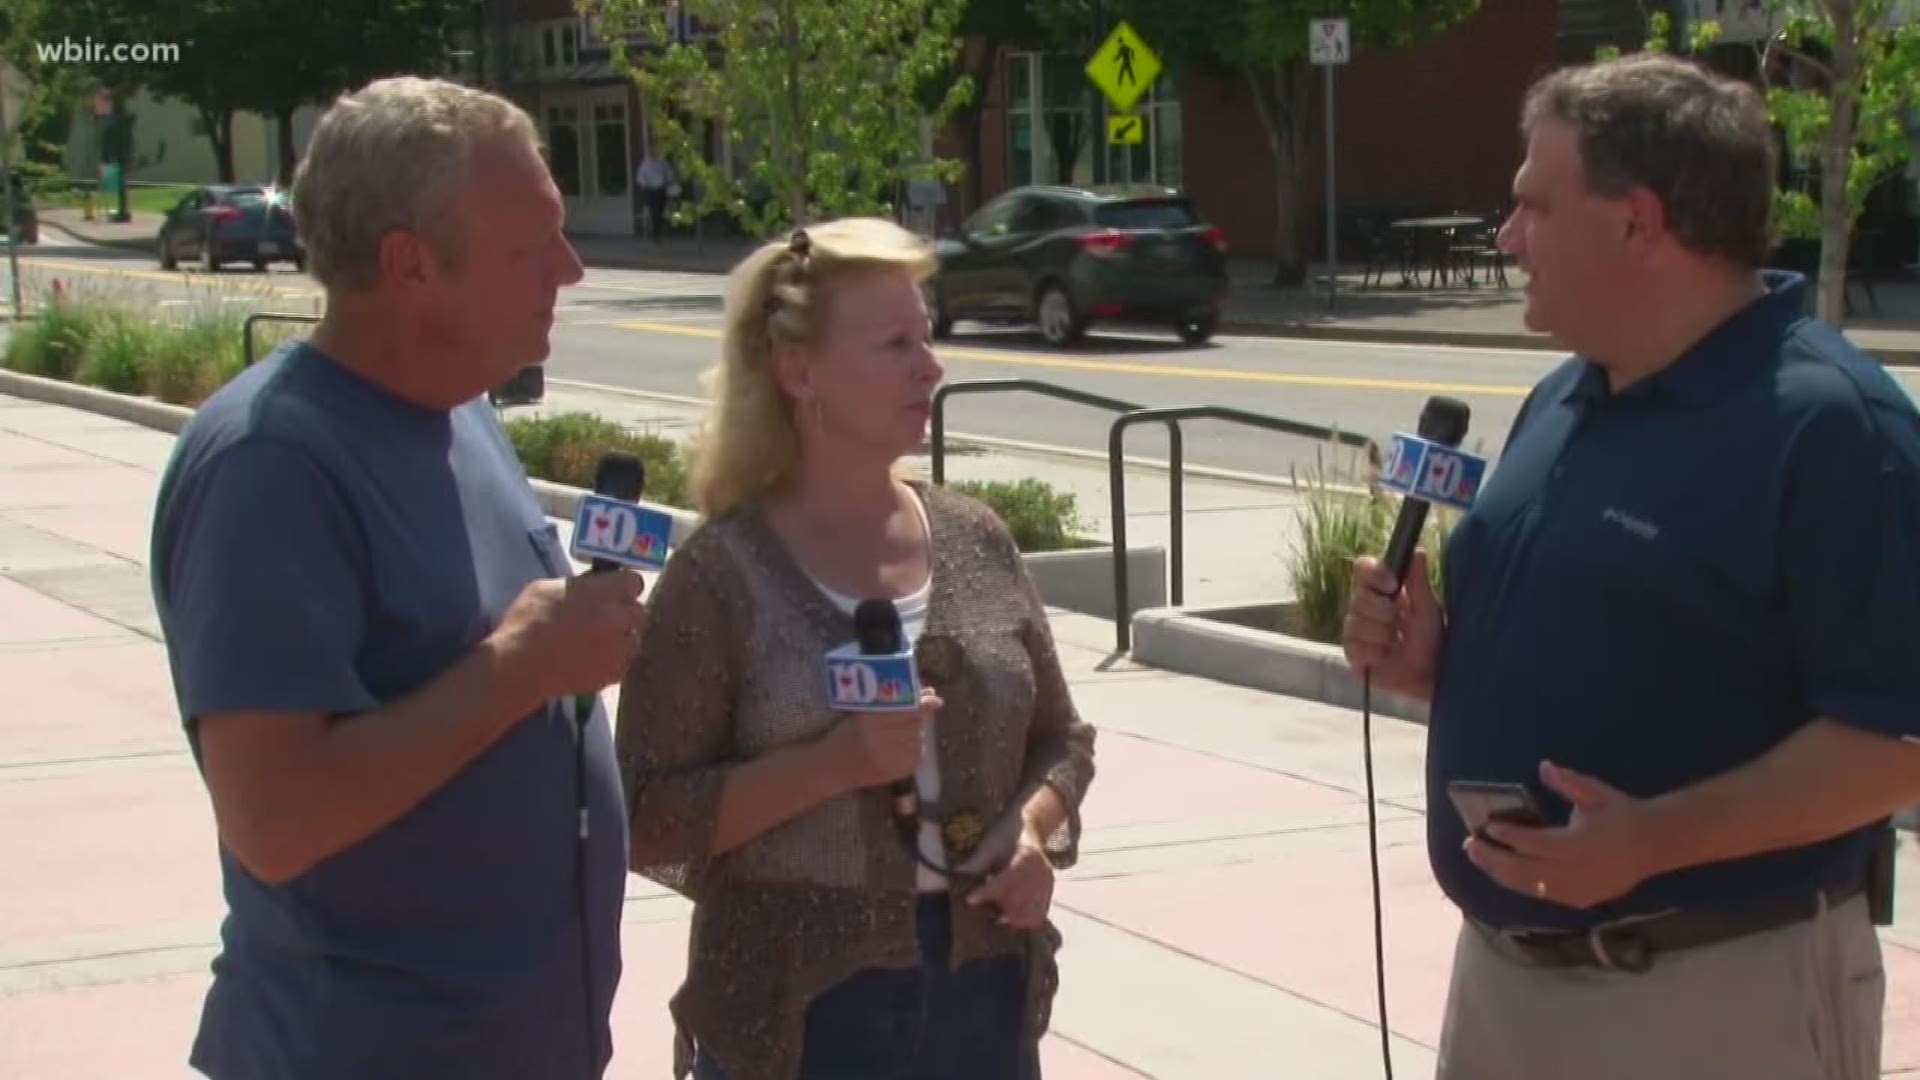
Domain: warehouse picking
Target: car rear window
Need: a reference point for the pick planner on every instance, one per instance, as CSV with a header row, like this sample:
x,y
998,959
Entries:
x,y
1156,214
246,198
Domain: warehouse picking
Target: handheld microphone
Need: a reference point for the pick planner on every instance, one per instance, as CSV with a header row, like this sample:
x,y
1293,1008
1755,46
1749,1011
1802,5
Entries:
x,y
1428,469
621,478
597,533
876,627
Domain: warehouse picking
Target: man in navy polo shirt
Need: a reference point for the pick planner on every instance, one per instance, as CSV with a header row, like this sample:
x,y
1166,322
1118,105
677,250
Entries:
x,y
1685,611
375,640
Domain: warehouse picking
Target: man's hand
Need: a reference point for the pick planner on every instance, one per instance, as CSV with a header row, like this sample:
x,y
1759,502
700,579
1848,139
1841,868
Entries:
x,y
1390,633
1022,888
1601,854
572,636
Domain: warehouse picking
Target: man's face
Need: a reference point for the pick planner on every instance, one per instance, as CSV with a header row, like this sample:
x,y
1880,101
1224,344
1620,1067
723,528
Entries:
x,y
1572,244
494,306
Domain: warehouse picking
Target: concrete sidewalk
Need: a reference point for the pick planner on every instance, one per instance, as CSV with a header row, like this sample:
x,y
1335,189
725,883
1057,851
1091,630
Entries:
x,y
1216,928
1485,316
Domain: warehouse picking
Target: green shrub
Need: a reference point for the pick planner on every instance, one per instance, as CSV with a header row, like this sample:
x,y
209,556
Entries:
x,y
182,369
1040,517
121,354
566,449
55,345
1346,516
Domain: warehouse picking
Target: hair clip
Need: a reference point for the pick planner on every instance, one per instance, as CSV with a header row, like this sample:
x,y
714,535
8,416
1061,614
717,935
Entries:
x,y
801,245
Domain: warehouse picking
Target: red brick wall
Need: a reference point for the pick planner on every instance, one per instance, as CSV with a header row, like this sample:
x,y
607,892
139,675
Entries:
x,y
1435,123
1432,124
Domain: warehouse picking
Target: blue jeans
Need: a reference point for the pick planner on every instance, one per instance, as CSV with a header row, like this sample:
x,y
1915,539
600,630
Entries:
x,y
924,1023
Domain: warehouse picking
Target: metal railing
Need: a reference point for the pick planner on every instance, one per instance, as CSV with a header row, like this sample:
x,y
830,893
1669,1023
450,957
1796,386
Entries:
x,y
937,438
1176,477
246,328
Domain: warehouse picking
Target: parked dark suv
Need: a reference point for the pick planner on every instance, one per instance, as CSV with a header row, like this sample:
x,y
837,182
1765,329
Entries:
x,y
1065,257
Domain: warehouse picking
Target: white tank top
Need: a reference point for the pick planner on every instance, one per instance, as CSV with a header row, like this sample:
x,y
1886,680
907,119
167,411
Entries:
x,y
926,779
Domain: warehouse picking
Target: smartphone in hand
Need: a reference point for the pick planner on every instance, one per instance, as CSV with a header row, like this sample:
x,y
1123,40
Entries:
x,y
1481,802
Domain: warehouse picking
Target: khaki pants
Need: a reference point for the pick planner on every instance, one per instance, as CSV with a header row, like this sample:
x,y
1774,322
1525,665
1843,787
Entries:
x,y
1802,1002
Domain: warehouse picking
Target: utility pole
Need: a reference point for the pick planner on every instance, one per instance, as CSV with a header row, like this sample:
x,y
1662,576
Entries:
x,y
13,221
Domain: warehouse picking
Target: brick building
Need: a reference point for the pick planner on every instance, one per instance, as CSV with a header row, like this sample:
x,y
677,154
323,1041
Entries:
x,y
1434,125
1430,126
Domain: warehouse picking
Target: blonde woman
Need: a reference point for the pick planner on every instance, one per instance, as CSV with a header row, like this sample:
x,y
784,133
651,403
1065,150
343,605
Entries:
x,y
829,939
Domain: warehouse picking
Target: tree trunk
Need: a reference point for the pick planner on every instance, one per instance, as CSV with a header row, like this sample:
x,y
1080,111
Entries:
x,y
796,149
1276,100
1836,152
218,125
973,124
283,121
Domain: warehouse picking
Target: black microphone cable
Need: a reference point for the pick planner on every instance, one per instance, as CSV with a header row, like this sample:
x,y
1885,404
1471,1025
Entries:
x,y
1373,858
620,476
1444,421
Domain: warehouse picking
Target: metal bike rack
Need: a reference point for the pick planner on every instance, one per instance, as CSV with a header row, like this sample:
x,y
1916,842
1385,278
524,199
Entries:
x,y
1176,476
246,329
937,437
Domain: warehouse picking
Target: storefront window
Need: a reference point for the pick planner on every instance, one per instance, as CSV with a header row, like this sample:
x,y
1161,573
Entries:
x,y
563,148
610,149
1020,119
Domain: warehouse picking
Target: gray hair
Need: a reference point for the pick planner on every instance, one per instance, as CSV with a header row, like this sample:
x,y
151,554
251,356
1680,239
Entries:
x,y
388,156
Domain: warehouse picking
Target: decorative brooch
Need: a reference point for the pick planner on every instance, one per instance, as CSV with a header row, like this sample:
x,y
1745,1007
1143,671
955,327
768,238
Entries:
x,y
962,833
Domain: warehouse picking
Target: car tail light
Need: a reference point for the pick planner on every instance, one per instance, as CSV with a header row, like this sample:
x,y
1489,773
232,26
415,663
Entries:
x,y
224,213
1217,237
1106,242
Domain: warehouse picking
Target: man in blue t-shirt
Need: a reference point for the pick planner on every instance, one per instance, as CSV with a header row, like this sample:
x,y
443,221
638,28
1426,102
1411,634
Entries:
x,y
376,641
1684,614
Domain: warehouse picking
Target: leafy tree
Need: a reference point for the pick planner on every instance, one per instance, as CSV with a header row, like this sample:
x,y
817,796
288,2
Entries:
x,y
265,56
818,94
988,29
1840,78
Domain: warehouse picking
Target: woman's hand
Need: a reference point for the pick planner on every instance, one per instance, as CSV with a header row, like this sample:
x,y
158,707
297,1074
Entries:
x,y
1020,878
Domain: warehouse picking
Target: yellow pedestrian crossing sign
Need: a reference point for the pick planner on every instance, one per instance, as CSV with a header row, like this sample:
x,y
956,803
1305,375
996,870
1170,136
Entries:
x,y
1126,130
1123,68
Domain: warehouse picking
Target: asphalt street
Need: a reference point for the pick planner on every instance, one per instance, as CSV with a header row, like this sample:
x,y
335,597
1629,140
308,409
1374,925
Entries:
x,y
659,331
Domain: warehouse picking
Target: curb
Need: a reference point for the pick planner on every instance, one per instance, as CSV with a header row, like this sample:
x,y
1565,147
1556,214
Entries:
x,y
1460,339
135,410
82,233
1185,640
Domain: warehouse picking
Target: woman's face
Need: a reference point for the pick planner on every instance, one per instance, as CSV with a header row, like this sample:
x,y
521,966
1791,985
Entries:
x,y
869,381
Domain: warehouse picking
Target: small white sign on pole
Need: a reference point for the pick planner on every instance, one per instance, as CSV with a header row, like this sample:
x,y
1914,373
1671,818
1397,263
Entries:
x,y
1327,42
1328,47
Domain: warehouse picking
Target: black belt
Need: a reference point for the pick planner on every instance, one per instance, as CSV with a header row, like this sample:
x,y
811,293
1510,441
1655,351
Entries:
x,y
1631,944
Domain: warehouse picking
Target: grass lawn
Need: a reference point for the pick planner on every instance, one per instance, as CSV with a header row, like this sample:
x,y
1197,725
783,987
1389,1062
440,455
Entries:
x,y
152,199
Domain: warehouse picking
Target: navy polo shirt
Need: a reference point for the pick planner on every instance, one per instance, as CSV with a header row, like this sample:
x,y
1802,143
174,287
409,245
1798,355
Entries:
x,y
1660,585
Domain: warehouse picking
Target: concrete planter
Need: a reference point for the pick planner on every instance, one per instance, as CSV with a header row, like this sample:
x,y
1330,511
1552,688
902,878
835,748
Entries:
x,y
1081,579
1259,646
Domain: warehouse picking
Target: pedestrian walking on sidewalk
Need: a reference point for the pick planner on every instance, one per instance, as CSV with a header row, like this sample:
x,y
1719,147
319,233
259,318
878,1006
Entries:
x,y
657,183
1684,612
838,932
376,643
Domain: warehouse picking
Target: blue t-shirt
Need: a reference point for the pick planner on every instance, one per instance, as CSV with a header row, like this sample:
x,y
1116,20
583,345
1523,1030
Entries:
x,y
1660,585
322,546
